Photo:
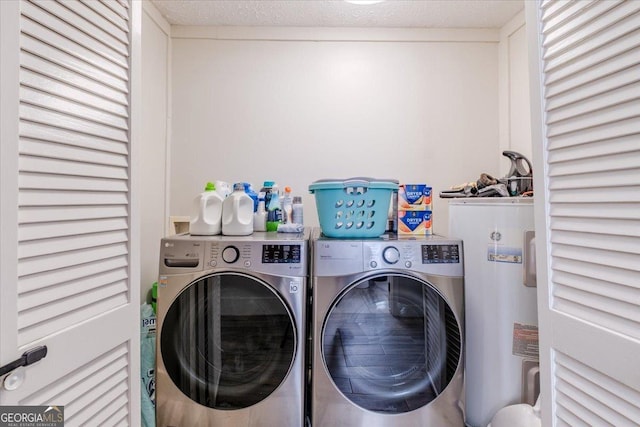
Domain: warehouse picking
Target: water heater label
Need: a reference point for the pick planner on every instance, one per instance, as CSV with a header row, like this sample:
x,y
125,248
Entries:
x,y
504,254
525,341
505,245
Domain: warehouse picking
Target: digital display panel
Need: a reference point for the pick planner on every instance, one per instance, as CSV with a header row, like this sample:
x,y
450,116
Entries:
x,y
281,254
440,254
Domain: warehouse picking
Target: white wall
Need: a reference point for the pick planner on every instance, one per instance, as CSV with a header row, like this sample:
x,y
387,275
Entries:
x,y
424,109
515,110
153,153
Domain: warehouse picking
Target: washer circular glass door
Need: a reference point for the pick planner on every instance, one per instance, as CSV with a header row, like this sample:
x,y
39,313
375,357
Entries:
x,y
391,344
228,341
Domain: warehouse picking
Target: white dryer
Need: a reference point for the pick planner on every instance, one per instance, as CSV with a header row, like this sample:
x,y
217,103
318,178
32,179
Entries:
x,y
231,330
387,332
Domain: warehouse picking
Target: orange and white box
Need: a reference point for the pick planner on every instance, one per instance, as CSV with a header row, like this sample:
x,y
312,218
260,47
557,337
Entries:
x,y
415,197
415,223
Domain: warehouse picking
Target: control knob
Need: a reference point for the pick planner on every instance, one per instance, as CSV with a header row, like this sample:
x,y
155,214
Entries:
x,y
391,255
230,254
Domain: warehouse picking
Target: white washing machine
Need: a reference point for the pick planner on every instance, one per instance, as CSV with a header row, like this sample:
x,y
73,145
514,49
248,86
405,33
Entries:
x,y
231,330
387,332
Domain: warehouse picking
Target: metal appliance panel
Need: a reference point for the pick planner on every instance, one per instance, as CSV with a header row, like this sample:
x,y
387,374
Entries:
x,y
285,405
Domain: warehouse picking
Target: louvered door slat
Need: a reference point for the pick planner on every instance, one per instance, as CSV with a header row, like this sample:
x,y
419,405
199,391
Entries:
x,y
72,274
32,248
551,9
604,273
625,144
27,215
105,412
69,183
626,160
63,260
595,103
71,167
31,312
616,227
111,361
44,53
598,195
594,396
60,105
588,30
622,260
565,209
70,198
59,229
61,90
606,132
606,288
604,116
46,117
59,42
44,132
597,179
114,388
601,85
612,69
54,150
575,15
87,44
60,316
97,20
29,300
115,6
107,13
63,312
51,70
78,22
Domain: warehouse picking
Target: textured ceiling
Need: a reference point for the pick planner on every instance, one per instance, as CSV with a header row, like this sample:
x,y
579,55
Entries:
x,y
337,13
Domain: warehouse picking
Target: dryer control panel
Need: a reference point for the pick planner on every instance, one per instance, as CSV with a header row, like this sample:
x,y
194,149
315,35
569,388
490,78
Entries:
x,y
431,255
424,256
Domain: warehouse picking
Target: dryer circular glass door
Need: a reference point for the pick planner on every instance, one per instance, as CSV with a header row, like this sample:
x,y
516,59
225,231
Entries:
x,y
391,343
228,341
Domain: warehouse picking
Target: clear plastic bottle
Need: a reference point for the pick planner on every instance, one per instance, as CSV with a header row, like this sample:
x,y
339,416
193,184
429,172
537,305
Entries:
x,y
297,211
260,218
287,206
237,213
272,204
206,213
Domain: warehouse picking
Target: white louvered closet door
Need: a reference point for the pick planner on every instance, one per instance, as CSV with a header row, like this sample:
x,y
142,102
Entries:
x,y
586,112
69,222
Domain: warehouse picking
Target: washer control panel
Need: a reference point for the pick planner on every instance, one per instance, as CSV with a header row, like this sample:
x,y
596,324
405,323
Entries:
x,y
262,253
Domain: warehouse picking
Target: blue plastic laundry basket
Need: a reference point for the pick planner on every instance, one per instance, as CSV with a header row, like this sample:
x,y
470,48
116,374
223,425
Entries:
x,y
353,208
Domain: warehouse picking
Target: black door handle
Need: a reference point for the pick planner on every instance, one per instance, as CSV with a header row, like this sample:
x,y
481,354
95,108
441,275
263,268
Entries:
x,y
28,357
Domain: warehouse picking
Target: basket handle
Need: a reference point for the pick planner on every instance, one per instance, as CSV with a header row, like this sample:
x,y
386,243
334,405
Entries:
x,y
356,183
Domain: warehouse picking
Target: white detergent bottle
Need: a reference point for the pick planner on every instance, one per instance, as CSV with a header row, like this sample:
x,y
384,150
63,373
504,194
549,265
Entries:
x,y
237,213
206,215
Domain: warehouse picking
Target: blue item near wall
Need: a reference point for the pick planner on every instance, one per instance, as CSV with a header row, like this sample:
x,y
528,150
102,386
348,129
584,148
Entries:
x,y
251,193
147,364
